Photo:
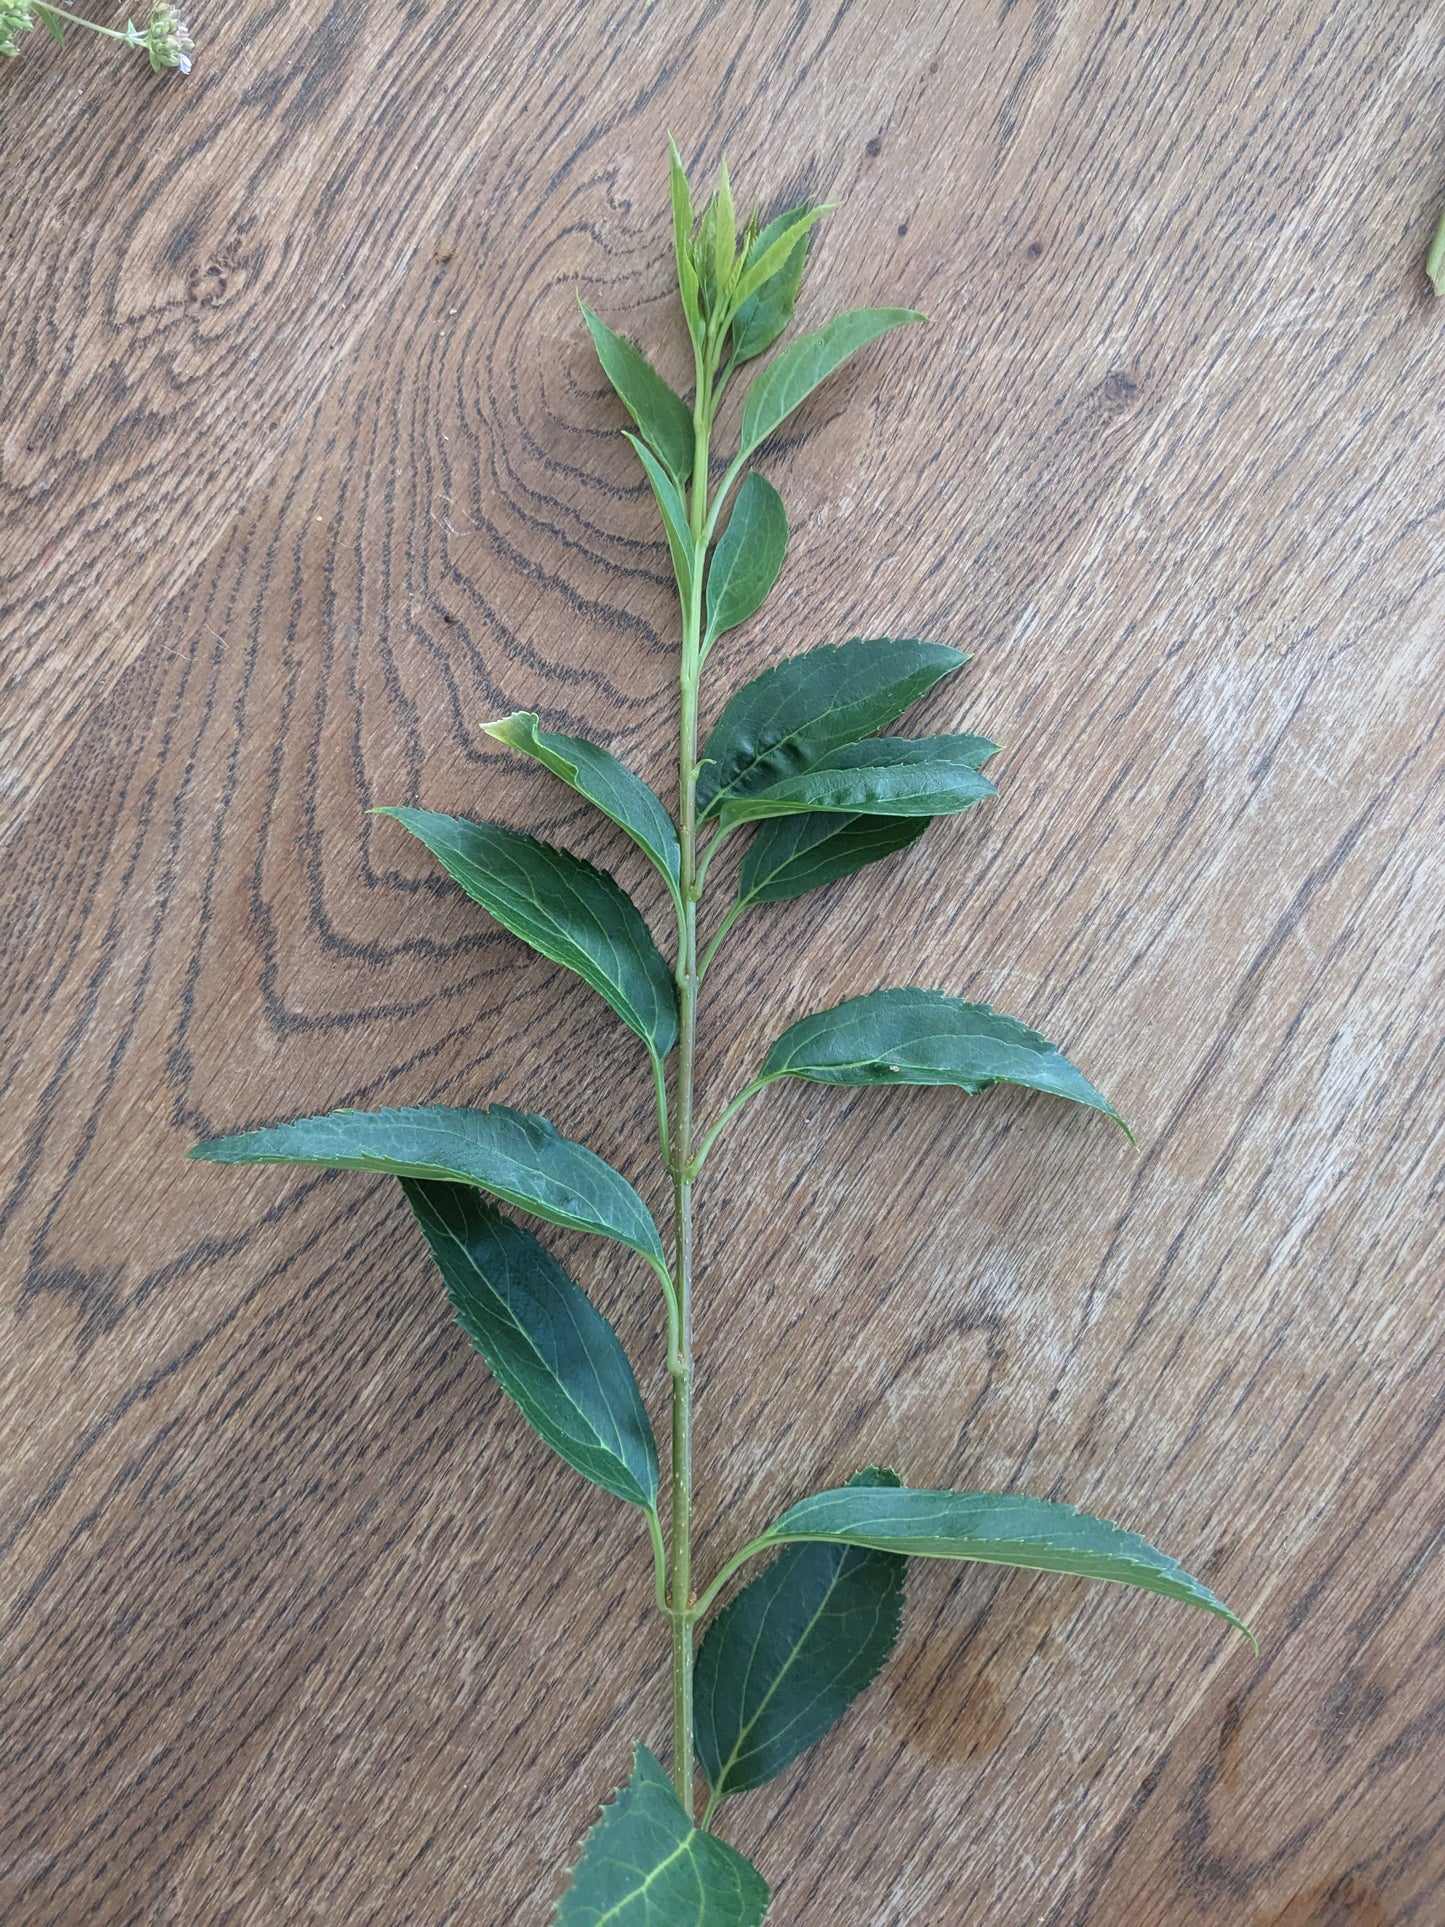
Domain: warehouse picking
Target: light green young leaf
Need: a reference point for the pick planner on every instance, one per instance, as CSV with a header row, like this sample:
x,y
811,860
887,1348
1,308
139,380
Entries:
x,y
774,248
522,1159
682,241
646,1865
549,1347
794,854
574,914
998,1528
913,1036
599,776
663,416
885,776
790,1653
804,366
673,511
725,238
747,559
807,706
763,314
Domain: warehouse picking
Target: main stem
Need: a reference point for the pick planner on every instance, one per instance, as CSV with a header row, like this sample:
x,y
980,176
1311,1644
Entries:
x,y
681,1146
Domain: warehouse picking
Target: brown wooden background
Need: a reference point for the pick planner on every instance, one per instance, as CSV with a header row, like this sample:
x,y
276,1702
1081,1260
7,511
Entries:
x,y
307,472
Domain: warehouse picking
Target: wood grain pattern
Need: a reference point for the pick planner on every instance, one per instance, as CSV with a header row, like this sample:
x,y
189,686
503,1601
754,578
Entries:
x,y
305,472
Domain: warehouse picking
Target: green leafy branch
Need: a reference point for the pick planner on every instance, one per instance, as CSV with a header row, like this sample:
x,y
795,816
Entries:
x,y
800,759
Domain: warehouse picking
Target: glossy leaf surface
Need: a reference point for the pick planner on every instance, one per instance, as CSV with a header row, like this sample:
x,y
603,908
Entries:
x,y
999,1528
807,706
788,1655
791,855
518,1157
747,559
806,365
548,1346
571,912
885,776
913,1036
762,316
662,416
599,776
646,1865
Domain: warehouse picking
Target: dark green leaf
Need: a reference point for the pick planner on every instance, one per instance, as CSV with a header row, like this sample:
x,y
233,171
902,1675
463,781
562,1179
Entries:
x,y
549,1347
806,706
682,240
664,417
603,780
52,24
787,1657
673,510
885,776
804,366
520,1158
794,854
923,1037
646,1865
561,906
999,1528
747,559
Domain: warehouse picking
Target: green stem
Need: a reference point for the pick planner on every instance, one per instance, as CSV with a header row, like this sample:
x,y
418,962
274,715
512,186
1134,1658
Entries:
x,y
680,1146
78,20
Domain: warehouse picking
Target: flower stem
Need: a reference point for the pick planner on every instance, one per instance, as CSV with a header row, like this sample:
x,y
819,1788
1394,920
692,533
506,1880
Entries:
x,y
79,20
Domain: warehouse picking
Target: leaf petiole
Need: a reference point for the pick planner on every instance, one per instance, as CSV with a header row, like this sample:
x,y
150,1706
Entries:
x,y
748,1091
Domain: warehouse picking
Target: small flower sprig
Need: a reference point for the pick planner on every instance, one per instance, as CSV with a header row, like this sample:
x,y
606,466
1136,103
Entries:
x,y
165,40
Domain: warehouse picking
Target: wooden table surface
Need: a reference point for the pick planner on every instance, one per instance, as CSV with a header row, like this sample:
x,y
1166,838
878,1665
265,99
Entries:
x,y
308,472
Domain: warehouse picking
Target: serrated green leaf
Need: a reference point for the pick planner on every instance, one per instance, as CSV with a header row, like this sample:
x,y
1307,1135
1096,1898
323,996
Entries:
x,y
794,854
599,776
999,1528
520,1158
682,241
799,369
913,1036
548,1346
574,914
663,416
807,706
673,510
790,1653
747,559
885,776
646,1865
